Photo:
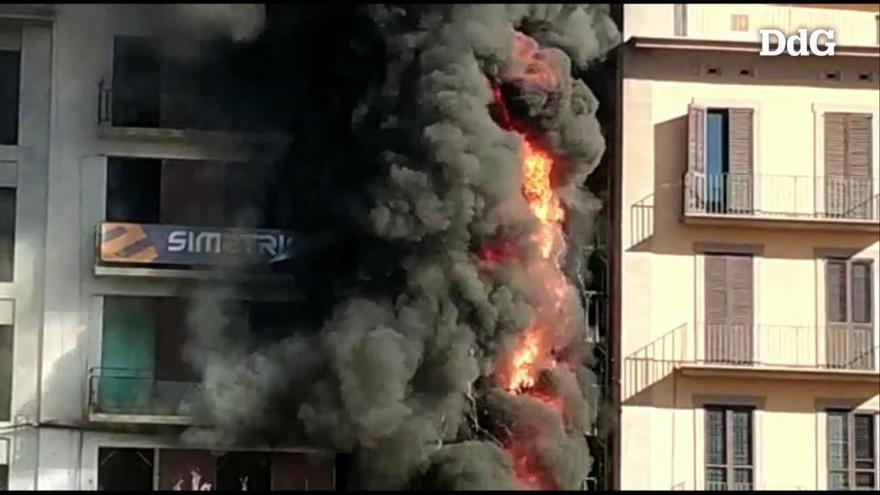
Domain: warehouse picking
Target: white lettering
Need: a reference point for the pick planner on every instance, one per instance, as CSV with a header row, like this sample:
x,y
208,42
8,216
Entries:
x,y
268,244
208,242
802,44
829,42
765,42
177,241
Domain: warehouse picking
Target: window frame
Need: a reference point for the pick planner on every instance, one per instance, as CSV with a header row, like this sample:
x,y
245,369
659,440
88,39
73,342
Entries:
x,y
851,469
848,263
729,465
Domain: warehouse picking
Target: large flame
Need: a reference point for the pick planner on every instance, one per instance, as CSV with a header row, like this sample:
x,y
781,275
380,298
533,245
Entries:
x,y
545,206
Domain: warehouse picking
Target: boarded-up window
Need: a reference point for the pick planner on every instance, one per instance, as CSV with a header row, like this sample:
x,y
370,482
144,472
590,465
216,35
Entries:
x,y
296,471
729,448
187,470
728,308
852,450
848,183
124,469
849,306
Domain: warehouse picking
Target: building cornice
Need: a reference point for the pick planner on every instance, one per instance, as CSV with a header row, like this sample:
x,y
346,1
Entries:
x,y
736,46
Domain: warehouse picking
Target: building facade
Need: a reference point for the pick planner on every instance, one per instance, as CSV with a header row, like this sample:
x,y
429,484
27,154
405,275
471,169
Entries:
x,y
111,189
748,248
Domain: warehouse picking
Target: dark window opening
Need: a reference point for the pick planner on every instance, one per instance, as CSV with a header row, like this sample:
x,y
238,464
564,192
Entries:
x,y
189,192
244,471
125,469
4,478
729,449
133,188
7,233
10,74
852,450
6,340
136,82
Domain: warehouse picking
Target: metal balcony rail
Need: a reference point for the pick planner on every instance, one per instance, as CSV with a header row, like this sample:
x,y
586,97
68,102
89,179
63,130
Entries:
x,y
129,391
840,198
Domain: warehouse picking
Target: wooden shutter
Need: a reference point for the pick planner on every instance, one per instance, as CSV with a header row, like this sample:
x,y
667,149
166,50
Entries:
x,y
739,310
728,308
695,181
835,290
858,165
740,153
835,163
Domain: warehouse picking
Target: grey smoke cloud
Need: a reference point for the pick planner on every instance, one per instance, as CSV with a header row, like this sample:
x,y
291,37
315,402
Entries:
x,y
402,378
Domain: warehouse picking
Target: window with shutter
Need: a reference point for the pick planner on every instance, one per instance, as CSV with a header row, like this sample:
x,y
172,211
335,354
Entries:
x,y
848,157
850,329
729,308
729,448
740,181
852,446
695,180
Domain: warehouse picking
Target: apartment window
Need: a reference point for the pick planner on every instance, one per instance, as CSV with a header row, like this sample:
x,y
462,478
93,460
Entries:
x,y
728,308
143,370
729,448
125,469
136,82
251,471
6,339
848,156
133,188
185,192
852,450
10,83
4,478
849,307
7,233
720,159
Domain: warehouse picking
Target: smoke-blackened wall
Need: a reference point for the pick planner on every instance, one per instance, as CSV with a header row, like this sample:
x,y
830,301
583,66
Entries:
x,y
397,151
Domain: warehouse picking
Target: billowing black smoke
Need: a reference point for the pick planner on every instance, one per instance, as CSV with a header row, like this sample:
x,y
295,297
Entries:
x,y
397,151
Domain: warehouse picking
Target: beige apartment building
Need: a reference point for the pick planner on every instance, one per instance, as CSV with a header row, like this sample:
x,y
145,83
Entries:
x,y
749,247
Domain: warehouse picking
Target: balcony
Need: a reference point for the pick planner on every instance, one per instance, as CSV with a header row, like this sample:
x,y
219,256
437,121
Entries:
x,y
835,352
119,395
834,202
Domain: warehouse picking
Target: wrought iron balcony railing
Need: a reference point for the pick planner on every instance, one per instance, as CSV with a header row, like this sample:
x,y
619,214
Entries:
x,y
831,198
135,392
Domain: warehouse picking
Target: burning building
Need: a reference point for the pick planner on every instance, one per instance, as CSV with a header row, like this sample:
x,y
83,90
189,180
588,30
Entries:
x,y
348,246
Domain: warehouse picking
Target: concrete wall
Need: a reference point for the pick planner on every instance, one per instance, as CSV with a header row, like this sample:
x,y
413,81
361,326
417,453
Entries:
x,y
662,272
713,21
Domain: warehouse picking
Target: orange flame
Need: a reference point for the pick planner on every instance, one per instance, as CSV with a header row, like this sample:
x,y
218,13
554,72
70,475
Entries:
x,y
538,192
523,363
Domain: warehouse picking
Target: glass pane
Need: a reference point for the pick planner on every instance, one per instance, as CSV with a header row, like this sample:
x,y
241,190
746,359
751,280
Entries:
x,y
861,292
864,432
716,479
716,157
715,437
864,480
835,287
837,481
742,479
837,440
742,438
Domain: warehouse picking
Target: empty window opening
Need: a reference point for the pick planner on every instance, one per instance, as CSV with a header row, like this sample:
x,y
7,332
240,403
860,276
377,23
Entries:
x,y
832,75
866,76
244,471
713,71
124,469
10,83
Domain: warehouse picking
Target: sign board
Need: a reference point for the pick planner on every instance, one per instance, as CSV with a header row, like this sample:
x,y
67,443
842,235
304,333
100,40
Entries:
x,y
155,244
